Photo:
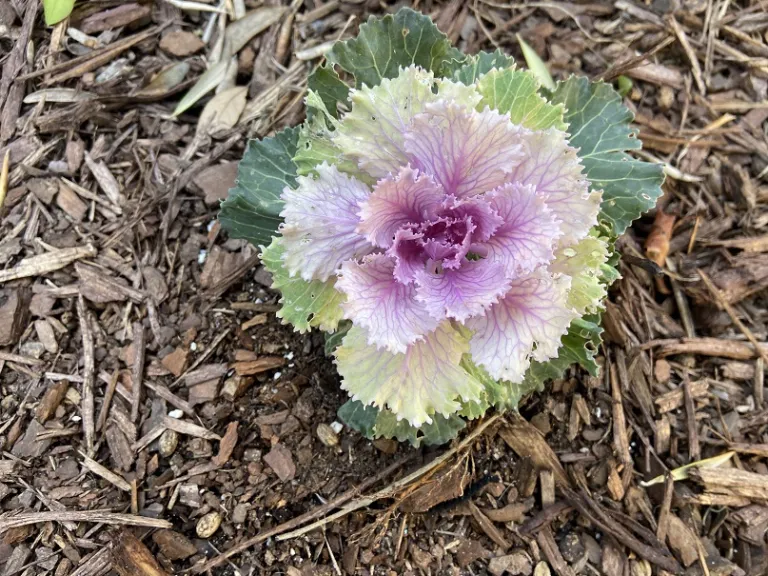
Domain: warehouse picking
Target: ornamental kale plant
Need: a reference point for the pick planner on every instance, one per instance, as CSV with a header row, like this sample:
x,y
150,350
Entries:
x,y
448,222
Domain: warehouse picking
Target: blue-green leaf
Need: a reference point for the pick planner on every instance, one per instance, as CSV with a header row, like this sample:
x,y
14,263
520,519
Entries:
x,y
385,44
480,64
329,87
359,417
442,429
599,125
252,208
333,339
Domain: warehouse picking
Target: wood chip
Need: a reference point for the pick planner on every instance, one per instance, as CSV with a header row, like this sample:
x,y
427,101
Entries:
x,y
176,361
171,398
445,485
174,545
47,336
119,448
620,438
205,373
527,441
51,400
70,202
87,407
682,540
13,314
517,563
101,288
547,482
132,558
251,367
106,473
129,13
137,369
675,399
551,552
732,482
106,180
48,262
487,526
189,429
280,460
181,43
92,516
226,445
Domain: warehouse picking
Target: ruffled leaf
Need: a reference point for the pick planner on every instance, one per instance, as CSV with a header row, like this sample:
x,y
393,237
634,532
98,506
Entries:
x,y
502,394
386,44
305,304
527,323
373,133
462,292
409,197
387,309
315,145
516,92
554,168
527,237
599,126
583,262
321,219
252,208
467,152
442,429
580,345
425,380
459,93
374,423
480,64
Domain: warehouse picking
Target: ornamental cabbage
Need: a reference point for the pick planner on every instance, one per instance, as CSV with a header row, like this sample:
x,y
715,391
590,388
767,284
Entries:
x,y
449,221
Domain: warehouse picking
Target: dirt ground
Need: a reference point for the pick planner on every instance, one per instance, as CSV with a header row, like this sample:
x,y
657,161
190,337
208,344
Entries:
x,y
156,417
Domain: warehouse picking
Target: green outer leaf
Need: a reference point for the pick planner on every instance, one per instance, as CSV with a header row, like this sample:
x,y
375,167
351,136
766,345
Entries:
x,y
536,65
252,208
329,87
333,339
481,63
305,304
385,44
442,429
358,417
56,10
499,393
374,423
599,127
516,92
315,145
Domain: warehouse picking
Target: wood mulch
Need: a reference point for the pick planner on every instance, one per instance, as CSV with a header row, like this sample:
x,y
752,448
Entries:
x,y
155,417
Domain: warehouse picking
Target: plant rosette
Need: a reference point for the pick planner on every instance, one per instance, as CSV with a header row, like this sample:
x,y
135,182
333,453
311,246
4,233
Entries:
x,y
448,221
